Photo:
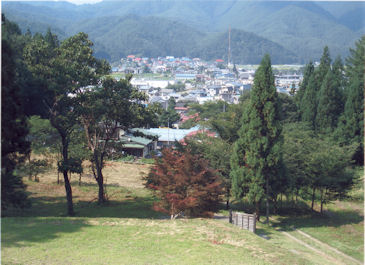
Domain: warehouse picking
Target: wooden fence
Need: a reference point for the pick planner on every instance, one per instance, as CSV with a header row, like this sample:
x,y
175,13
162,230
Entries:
x,y
243,220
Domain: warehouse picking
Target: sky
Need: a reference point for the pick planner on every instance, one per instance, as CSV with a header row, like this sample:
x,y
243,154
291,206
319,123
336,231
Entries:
x,y
80,2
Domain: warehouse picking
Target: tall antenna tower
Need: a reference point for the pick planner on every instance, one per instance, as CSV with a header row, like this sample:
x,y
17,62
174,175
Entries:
x,y
229,46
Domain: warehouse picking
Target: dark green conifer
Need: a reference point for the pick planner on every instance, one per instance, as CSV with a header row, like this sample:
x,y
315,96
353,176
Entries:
x,y
329,104
351,125
309,102
257,152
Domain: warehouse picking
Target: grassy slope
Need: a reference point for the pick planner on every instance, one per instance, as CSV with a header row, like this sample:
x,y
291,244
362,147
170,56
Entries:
x,y
127,231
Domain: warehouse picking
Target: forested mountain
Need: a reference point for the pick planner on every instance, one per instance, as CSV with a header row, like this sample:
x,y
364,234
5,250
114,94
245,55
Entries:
x,y
300,28
245,48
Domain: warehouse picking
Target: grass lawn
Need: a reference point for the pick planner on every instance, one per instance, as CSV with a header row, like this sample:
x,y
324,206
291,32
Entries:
x,y
128,231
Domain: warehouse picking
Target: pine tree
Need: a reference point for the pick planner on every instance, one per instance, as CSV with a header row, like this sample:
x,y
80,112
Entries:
x,y
14,129
324,66
351,125
308,107
338,72
257,152
308,71
329,104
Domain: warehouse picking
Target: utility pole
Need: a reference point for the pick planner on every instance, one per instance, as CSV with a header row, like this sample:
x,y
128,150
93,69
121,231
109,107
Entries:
x,y
168,131
229,46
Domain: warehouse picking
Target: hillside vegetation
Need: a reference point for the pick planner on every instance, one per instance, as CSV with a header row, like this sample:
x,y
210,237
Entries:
x,y
293,31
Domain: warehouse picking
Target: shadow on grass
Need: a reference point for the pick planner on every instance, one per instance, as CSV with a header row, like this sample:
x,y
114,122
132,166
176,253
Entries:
x,y
291,216
329,218
20,232
134,207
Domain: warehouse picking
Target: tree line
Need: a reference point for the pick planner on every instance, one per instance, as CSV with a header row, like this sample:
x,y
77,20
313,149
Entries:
x,y
80,111
269,145
298,146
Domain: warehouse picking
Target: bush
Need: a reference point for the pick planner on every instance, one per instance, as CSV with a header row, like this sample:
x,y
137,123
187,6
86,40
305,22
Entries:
x,y
185,184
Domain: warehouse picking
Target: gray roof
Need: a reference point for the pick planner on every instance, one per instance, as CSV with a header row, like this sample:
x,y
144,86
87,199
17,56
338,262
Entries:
x,y
167,134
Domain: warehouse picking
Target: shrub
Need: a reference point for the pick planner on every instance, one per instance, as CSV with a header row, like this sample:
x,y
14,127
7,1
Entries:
x,y
185,184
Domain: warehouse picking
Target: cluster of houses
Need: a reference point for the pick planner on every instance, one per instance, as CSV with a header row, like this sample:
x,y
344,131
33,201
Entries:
x,y
201,82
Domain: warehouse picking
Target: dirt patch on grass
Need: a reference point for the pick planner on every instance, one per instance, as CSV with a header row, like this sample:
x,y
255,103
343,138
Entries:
x,y
115,173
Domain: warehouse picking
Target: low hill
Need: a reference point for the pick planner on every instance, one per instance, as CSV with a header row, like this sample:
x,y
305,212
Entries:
x,y
246,48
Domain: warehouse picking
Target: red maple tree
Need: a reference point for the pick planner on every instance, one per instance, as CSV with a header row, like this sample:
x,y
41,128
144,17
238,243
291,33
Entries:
x,y
185,184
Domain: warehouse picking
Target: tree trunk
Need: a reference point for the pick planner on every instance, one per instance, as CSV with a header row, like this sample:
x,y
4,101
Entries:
x,y
99,178
101,196
257,210
321,200
227,196
313,196
29,172
70,210
267,200
80,180
275,205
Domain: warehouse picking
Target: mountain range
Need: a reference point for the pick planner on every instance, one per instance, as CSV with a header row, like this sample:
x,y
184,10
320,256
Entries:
x,y
291,32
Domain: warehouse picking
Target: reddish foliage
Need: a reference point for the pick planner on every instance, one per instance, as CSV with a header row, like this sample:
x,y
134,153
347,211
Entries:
x,y
184,183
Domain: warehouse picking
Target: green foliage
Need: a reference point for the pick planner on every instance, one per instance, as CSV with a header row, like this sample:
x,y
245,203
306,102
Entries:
x,y
330,104
351,123
256,155
14,129
300,28
227,124
34,168
308,71
169,116
217,152
103,112
316,163
178,87
72,165
324,66
43,137
185,184
289,109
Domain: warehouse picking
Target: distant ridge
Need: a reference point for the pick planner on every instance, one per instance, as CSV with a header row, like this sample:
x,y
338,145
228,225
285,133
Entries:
x,y
296,31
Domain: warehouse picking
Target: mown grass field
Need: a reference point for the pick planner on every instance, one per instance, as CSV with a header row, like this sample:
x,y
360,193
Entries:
x,y
128,231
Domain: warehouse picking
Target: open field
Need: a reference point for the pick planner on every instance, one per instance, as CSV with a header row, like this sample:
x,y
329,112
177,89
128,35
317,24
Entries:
x,y
128,231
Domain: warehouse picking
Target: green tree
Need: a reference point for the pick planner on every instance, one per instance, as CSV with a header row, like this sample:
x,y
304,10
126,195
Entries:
x,y
317,168
169,116
324,66
351,123
228,122
64,71
329,104
308,107
256,155
289,110
14,129
217,152
43,137
308,72
103,112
